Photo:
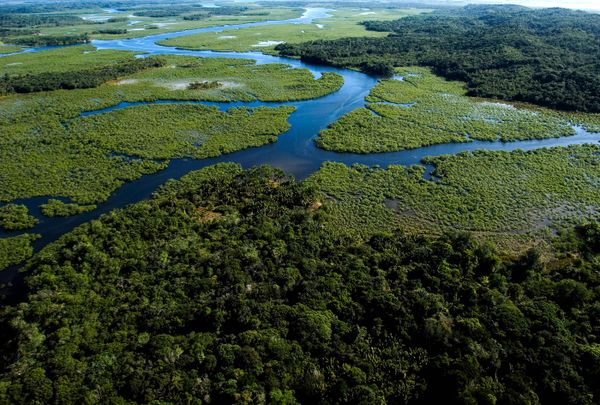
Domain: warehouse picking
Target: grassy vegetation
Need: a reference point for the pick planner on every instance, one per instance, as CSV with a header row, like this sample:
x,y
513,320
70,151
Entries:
x,y
137,26
16,216
69,59
47,149
343,23
170,131
239,79
424,109
88,158
15,249
4,49
58,208
510,196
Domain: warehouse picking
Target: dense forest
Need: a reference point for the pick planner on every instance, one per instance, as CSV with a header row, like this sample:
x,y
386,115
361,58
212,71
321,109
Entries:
x,y
81,79
548,56
50,40
227,288
38,20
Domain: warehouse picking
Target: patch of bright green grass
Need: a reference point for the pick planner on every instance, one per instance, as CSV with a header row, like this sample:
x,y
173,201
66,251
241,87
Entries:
x,y
424,109
518,195
145,26
4,49
66,59
343,23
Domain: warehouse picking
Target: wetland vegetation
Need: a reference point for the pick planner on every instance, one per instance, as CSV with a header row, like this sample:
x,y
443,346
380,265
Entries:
x,y
545,56
512,198
48,149
58,208
134,19
227,287
343,23
15,217
14,250
418,109
468,278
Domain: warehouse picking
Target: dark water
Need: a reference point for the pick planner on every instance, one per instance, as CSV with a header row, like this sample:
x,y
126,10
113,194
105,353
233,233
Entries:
x,y
295,152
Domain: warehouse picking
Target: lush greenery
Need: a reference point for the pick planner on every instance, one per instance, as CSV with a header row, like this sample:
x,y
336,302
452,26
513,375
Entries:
x,y
418,109
16,216
15,249
58,208
47,149
547,56
62,60
37,20
167,131
512,197
136,26
50,40
342,23
191,12
5,49
90,157
80,79
226,288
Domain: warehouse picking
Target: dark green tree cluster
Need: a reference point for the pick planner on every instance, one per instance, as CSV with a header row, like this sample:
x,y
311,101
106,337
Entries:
x,y
111,31
58,208
46,7
38,20
81,79
549,57
227,288
16,216
50,40
223,10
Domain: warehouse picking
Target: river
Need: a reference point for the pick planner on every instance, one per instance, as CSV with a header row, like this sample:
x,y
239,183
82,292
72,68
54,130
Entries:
x,y
295,151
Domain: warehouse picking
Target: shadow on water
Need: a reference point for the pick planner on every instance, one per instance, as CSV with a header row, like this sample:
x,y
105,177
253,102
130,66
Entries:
x,y
294,152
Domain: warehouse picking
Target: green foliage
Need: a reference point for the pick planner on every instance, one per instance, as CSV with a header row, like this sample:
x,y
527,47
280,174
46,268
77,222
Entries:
x,y
4,49
57,208
204,85
88,158
13,216
81,79
47,149
69,59
14,250
423,109
226,287
513,196
167,131
344,22
38,20
111,31
50,40
545,56
142,26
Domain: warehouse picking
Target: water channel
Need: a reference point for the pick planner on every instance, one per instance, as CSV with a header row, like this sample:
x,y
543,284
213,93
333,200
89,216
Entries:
x,y
295,151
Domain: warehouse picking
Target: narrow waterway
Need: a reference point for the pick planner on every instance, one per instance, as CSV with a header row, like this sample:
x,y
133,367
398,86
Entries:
x,y
294,152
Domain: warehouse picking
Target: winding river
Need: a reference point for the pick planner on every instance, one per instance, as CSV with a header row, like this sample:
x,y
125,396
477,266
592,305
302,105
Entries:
x,y
294,152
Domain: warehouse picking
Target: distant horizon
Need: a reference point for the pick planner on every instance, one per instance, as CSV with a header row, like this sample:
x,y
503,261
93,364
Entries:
x,y
590,5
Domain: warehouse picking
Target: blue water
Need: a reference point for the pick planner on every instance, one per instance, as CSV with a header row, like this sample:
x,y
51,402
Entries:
x,y
294,152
